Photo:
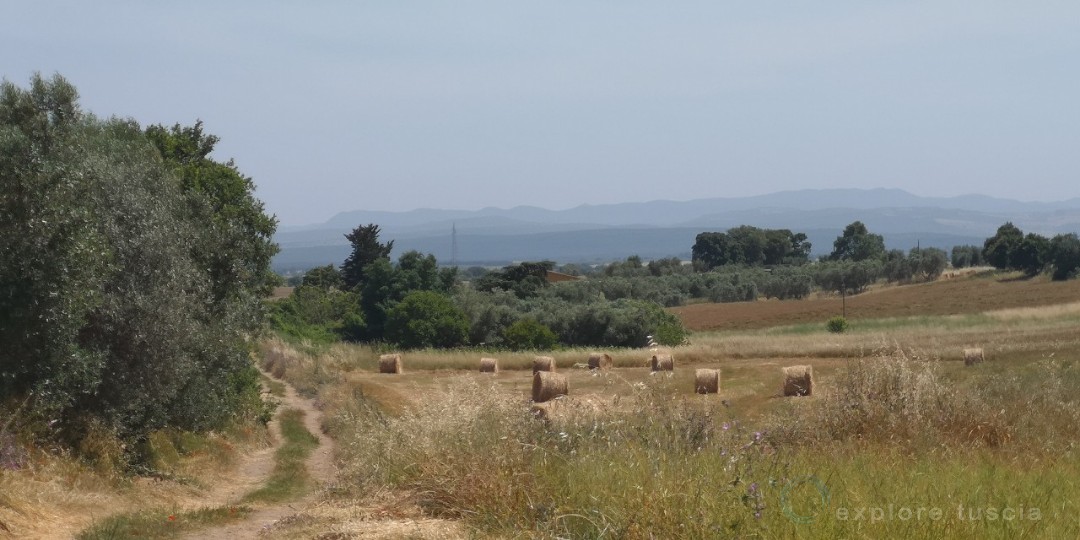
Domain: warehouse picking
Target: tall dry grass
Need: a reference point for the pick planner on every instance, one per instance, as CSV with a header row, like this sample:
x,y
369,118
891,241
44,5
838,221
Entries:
x,y
890,429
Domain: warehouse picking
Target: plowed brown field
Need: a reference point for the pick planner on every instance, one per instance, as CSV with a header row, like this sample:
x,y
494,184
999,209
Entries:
x,y
963,295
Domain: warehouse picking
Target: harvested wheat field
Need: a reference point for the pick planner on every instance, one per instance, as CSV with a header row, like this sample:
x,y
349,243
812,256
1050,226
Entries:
x,y
961,295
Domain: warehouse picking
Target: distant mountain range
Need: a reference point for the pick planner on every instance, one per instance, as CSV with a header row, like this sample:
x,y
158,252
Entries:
x,y
602,233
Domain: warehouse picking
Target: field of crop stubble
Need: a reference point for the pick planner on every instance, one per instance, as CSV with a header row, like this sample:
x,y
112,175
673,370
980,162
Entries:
x,y
900,438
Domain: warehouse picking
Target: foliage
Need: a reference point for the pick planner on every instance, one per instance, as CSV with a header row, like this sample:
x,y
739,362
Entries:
x,y
788,283
118,298
237,236
671,334
426,318
998,250
489,313
1064,256
366,249
621,323
858,244
525,279
928,263
1011,249
385,285
896,266
751,246
847,277
967,256
527,334
837,324
324,277
317,314
1030,256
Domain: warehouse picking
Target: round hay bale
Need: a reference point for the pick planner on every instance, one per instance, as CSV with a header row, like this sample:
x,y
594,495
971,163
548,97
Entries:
x,y
973,356
543,363
600,361
548,385
390,363
707,381
489,365
662,362
798,380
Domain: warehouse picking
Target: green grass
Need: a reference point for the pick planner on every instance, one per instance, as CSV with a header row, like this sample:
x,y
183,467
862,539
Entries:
x,y
276,388
290,477
161,523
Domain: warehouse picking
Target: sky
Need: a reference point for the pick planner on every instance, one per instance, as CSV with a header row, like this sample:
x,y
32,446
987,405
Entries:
x,y
333,106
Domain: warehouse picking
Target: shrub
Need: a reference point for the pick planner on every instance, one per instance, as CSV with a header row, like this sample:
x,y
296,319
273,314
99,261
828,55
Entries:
x,y
527,334
427,319
671,334
837,324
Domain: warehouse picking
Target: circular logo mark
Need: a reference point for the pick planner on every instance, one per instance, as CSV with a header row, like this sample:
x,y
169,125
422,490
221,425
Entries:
x,y
797,490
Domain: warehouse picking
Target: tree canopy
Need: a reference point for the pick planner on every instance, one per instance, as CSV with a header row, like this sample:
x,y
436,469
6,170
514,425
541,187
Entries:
x,y
750,246
128,283
858,244
366,249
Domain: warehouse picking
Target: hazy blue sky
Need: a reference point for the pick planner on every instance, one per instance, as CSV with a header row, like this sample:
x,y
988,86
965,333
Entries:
x,y
396,105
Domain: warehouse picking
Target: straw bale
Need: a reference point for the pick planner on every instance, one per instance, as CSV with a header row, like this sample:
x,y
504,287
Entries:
x,y
798,380
600,361
707,381
662,362
548,385
973,356
390,363
489,365
543,363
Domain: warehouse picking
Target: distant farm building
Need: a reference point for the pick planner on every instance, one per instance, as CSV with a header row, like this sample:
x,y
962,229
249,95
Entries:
x,y
555,277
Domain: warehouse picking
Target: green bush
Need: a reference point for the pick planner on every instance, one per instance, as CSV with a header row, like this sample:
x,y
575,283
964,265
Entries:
x,y
671,334
527,334
837,324
427,319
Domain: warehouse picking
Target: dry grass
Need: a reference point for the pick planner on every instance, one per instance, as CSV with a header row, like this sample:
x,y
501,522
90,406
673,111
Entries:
x,y
57,495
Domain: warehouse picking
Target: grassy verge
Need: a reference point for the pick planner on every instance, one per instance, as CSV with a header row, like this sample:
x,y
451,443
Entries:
x,y
162,523
290,477
288,480
276,388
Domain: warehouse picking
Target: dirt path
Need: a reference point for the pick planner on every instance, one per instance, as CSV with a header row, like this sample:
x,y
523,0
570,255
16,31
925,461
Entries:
x,y
255,470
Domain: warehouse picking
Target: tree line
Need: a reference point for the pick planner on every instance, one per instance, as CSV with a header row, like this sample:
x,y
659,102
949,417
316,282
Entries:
x,y
414,303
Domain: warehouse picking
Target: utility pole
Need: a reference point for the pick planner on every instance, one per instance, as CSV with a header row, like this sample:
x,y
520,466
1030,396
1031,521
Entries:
x,y
843,298
453,244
